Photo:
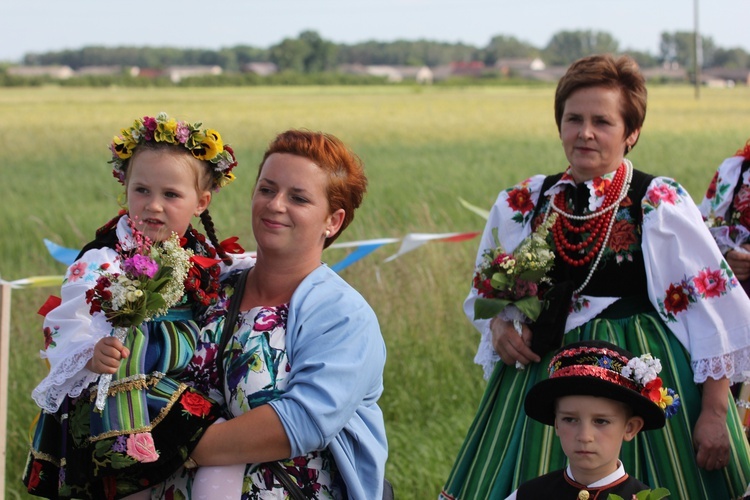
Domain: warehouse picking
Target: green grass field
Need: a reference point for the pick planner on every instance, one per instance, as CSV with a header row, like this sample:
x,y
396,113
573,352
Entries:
x,y
424,148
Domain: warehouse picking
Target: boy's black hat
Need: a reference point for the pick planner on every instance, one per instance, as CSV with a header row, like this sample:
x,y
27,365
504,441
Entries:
x,y
595,368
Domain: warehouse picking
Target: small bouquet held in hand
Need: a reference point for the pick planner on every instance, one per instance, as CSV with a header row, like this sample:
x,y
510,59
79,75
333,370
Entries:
x,y
504,279
513,279
151,281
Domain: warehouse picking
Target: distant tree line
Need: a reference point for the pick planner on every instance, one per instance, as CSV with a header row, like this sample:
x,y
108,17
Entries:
x,y
309,53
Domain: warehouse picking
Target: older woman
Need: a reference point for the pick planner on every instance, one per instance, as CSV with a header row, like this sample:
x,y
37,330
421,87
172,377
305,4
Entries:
x,y
634,266
301,371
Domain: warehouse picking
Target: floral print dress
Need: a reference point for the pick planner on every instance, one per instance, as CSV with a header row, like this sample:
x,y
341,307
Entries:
x,y
256,365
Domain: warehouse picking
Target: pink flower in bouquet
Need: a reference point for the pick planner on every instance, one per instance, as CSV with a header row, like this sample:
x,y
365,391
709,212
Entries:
x,y
141,447
140,265
525,288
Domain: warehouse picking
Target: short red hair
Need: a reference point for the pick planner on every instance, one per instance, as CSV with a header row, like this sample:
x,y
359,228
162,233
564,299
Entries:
x,y
347,182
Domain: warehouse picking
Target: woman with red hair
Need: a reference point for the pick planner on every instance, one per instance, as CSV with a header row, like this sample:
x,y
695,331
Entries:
x,y
300,370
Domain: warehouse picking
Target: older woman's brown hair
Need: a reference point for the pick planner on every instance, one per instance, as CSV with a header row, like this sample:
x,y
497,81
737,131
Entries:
x,y
347,182
603,70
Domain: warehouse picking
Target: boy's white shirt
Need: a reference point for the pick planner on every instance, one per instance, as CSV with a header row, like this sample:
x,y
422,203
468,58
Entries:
x,y
620,472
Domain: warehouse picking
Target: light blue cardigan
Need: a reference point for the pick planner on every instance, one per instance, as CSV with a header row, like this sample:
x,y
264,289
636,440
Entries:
x,y
337,355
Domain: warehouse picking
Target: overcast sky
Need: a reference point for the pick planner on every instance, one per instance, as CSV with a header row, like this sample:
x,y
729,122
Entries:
x,y
52,25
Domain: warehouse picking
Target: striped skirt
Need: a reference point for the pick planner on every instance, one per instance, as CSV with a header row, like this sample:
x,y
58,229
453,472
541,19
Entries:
x,y
505,448
150,423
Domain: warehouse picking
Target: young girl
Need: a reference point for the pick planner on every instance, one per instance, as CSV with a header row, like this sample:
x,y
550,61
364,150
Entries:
x,y
150,419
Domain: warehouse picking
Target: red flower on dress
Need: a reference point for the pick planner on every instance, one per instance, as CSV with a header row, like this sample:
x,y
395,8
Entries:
x,y
710,283
711,193
195,404
622,236
741,201
36,475
662,193
676,300
601,185
520,200
48,340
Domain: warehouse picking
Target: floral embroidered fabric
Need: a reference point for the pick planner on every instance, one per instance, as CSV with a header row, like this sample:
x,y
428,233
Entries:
x,y
687,280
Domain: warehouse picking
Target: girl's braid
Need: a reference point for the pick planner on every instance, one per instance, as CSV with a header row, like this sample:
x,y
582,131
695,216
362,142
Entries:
x,y
208,226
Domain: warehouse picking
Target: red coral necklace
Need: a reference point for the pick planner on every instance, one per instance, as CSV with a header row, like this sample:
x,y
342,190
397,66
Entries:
x,y
597,224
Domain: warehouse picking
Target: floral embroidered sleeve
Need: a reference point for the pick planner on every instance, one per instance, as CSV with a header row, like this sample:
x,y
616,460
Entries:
x,y
70,332
691,286
729,231
511,216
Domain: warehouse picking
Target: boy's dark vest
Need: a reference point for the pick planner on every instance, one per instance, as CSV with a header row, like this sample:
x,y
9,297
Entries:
x,y
557,485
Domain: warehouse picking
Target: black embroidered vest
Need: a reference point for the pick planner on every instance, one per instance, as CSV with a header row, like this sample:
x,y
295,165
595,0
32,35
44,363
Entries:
x,y
621,271
556,485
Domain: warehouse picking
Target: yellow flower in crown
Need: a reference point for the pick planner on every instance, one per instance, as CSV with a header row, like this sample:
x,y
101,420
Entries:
x,y
205,145
166,131
123,147
208,146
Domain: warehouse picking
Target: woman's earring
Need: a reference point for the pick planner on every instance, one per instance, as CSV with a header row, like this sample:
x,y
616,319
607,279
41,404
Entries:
x,y
628,148
328,233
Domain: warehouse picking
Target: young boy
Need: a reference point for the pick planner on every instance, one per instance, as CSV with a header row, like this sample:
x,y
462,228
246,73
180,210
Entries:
x,y
597,396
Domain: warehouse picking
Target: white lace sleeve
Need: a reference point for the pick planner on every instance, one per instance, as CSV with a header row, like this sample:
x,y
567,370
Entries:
x,y
691,285
71,332
511,215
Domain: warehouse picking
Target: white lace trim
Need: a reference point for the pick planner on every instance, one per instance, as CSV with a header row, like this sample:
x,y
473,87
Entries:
x,y
730,365
486,355
69,378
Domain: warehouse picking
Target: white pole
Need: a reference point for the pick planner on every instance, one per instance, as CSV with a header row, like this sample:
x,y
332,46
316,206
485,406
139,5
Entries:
x,y
5,289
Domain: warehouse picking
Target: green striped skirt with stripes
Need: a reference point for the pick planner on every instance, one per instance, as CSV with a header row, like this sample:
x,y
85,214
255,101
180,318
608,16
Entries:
x,y
504,447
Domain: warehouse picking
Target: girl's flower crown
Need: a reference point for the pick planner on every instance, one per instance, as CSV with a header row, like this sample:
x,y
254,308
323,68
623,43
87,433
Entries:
x,y
203,144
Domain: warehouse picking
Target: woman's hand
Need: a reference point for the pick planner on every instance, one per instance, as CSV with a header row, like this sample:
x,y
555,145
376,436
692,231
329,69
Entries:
x,y
510,346
108,353
710,435
740,262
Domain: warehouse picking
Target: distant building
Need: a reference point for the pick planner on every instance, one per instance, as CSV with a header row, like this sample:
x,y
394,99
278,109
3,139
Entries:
x,y
177,73
519,66
260,68
57,72
668,72
467,68
725,77
106,70
392,74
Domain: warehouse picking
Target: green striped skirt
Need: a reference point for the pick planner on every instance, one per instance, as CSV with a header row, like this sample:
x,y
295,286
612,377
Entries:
x,y
505,448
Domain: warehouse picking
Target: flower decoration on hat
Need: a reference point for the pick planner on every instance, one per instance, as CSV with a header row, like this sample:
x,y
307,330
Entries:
x,y
644,371
602,369
205,145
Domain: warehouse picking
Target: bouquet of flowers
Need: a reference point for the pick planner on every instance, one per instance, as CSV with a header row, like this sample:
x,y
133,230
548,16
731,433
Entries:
x,y
151,281
504,279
